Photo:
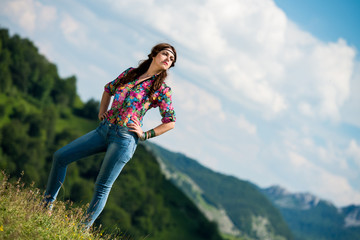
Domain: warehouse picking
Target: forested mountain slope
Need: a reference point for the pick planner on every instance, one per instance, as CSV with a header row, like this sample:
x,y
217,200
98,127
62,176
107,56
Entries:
x,y
251,214
40,112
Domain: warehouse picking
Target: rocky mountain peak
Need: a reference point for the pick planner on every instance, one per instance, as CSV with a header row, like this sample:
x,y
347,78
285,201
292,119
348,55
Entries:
x,y
283,198
352,216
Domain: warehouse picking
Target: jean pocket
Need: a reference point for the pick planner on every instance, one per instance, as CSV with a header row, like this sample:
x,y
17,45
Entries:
x,y
123,132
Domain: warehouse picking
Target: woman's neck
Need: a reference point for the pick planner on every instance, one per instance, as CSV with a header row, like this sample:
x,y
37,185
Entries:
x,y
148,74
152,70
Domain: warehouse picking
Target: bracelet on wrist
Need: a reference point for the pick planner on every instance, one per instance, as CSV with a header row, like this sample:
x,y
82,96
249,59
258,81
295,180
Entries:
x,y
152,133
142,137
147,135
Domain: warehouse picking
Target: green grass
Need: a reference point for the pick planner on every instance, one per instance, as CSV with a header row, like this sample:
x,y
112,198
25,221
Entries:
x,y
22,217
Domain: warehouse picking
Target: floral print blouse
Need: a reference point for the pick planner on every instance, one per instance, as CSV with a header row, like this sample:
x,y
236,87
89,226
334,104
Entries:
x,y
131,101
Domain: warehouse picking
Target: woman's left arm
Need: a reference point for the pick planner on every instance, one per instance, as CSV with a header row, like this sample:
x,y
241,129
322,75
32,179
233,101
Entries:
x,y
162,128
164,102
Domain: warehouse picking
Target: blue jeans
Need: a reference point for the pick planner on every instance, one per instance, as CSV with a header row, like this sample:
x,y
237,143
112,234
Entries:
x,y
119,144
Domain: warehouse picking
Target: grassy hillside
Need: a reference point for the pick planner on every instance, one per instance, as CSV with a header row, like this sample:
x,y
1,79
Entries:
x,y
22,217
132,213
41,112
248,209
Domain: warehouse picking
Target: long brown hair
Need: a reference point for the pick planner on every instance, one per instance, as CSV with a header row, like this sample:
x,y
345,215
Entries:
x,y
144,66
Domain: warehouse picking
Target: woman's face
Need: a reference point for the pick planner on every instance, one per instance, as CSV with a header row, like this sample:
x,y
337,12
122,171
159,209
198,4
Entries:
x,y
164,59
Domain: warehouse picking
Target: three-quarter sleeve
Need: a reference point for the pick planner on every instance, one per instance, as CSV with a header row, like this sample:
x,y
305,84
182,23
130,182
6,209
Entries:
x,y
164,102
111,86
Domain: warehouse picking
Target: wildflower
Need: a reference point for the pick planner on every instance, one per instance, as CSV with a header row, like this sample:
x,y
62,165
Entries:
x,y
1,228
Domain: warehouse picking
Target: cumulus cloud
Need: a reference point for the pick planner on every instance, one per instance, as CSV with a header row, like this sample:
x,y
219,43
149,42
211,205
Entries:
x,y
333,66
319,73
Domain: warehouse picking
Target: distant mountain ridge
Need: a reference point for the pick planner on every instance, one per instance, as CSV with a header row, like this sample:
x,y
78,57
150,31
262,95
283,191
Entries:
x,y
308,216
282,198
312,218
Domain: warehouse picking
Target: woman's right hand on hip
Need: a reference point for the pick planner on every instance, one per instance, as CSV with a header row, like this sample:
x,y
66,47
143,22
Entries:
x,y
103,115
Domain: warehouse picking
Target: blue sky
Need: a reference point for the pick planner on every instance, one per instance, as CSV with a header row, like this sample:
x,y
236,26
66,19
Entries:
x,y
326,19
264,92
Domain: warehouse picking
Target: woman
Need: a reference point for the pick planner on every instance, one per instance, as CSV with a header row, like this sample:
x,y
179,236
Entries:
x,y
135,91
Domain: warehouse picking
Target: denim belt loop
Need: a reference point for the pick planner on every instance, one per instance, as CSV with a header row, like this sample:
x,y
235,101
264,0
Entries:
x,y
104,121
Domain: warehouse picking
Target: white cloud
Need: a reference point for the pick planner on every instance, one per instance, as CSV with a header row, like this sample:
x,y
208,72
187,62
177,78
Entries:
x,y
74,31
251,84
351,108
257,26
333,66
198,104
326,184
326,153
331,155
354,151
306,109
246,125
47,13
29,14
21,11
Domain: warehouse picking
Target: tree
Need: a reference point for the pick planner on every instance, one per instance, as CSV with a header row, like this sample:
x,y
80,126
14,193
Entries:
x,y
5,79
89,110
64,91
